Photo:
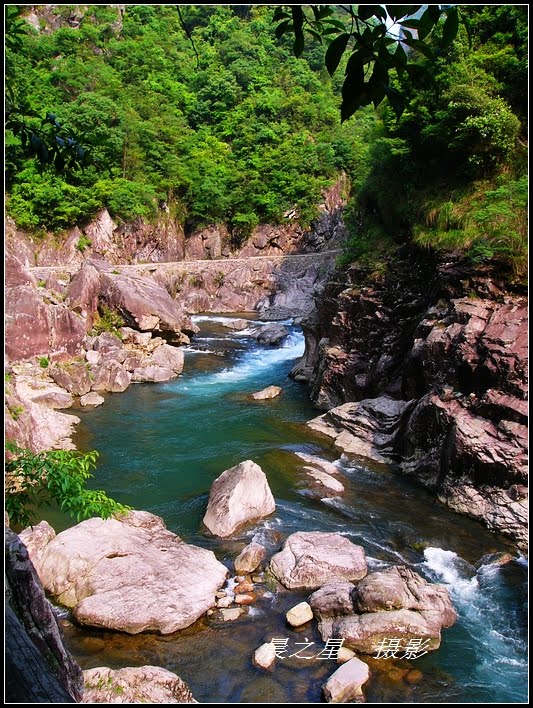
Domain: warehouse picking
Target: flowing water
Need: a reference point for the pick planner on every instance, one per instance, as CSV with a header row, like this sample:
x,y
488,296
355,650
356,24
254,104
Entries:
x,y
161,447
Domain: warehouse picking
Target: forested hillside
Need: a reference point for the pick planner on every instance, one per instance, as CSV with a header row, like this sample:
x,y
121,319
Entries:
x,y
240,134
211,114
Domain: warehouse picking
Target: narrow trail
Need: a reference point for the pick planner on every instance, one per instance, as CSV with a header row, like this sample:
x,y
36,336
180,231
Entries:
x,y
194,265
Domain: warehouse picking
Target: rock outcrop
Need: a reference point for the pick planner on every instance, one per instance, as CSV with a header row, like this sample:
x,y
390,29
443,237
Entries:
x,y
239,496
129,574
36,323
309,559
139,684
425,366
24,593
394,603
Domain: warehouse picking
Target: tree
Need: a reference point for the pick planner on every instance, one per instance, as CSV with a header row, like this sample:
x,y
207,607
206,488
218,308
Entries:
x,y
34,479
378,38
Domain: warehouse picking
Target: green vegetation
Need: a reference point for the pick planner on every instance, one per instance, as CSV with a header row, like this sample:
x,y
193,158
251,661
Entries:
x,y
83,243
215,120
55,475
451,172
44,362
108,320
240,135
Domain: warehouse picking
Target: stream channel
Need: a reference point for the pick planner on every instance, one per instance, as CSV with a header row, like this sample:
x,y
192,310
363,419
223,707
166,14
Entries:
x,y
162,445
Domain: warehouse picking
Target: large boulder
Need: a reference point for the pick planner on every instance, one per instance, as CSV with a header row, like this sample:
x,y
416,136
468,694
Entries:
x,y
345,685
168,357
400,587
129,574
310,559
144,304
111,376
395,603
72,376
152,374
365,633
272,334
139,684
239,496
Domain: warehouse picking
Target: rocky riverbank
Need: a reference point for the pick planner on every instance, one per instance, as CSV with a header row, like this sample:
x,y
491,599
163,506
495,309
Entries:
x,y
424,366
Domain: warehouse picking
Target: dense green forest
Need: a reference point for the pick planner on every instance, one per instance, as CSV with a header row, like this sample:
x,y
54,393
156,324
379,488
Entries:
x,y
231,127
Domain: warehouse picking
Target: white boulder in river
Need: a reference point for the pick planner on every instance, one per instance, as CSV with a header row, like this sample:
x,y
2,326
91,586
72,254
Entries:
x,y
129,574
310,559
239,496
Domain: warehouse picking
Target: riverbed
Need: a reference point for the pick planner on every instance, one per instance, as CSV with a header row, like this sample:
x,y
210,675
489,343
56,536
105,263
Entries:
x,y
161,447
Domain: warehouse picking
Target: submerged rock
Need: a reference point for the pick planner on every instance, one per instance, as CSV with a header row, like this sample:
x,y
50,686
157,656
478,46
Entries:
x,y
310,559
299,614
140,684
345,685
91,399
265,656
130,575
239,496
268,392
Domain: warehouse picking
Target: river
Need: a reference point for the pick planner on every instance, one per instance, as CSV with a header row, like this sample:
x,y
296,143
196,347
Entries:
x,y
161,447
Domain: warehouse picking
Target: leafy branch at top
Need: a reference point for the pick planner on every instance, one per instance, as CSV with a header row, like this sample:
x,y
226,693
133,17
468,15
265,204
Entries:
x,y
380,39
34,479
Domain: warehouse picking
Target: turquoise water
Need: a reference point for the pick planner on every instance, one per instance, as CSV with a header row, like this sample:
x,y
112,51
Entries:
x,y
161,447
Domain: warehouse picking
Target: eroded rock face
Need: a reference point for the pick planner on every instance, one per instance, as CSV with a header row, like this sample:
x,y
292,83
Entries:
x,y
240,495
24,593
310,559
35,426
433,358
131,575
36,325
139,684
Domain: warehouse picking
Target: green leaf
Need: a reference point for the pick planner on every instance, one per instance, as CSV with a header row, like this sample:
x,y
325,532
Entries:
x,y
399,11
282,28
450,27
420,46
367,11
335,51
353,90
396,100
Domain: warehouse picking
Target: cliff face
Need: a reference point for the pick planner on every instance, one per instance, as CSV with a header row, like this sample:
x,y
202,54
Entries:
x,y
164,239
434,359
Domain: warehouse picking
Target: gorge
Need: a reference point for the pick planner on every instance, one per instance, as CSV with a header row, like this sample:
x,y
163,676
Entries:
x,y
299,348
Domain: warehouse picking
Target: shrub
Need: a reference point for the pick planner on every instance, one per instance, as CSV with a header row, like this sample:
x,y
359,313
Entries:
x,y
54,475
